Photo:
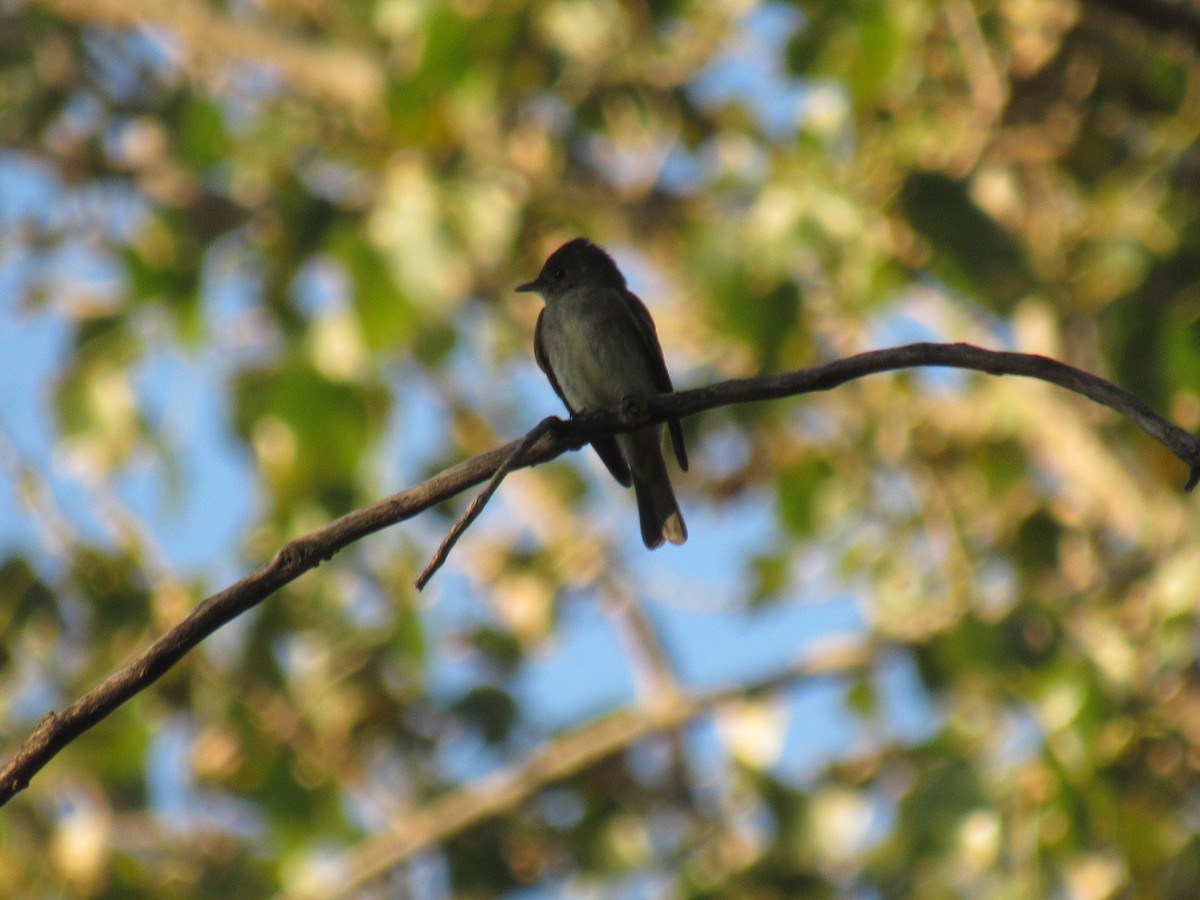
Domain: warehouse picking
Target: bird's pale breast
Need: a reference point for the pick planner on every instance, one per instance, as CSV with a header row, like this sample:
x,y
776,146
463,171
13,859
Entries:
x,y
595,349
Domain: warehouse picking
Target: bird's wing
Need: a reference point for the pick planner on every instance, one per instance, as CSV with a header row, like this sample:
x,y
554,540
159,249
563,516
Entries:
x,y
606,446
662,378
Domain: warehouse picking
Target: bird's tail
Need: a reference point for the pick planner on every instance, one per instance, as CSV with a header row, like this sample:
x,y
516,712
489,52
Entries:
x,y
657,509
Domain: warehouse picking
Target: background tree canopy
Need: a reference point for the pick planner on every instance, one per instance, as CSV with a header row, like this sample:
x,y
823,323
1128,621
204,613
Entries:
x,y
256,269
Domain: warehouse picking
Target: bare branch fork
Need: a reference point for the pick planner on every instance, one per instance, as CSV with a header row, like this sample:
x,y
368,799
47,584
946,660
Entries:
x,y
57,730
471,513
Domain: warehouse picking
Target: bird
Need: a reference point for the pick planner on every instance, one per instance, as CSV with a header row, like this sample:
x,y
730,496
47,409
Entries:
x,y
597,344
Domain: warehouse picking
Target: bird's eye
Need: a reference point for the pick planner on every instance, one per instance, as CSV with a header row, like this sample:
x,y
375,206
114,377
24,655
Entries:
x,y
559,274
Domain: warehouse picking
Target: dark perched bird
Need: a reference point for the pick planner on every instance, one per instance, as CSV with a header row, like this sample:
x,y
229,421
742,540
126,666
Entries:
x,y
597,344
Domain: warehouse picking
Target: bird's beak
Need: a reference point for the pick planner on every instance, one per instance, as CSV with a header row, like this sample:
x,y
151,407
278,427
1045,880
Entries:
x,y
527,287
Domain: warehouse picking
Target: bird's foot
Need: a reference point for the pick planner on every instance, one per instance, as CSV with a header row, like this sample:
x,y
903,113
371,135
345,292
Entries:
x,y
632,409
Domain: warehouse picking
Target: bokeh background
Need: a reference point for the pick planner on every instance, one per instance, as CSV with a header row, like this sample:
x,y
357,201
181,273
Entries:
x,y
256,269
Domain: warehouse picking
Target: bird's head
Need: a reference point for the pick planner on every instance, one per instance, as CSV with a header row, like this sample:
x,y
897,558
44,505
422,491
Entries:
x,y
575,263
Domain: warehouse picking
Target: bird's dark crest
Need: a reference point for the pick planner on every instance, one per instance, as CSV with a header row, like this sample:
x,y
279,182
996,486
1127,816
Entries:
x,y
581,259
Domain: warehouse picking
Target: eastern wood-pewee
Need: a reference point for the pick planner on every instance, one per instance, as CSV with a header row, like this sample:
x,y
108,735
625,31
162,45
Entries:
x,y
597,344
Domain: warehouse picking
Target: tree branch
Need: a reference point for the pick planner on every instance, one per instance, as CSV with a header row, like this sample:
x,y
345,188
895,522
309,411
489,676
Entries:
x,y
1171,16
570,754
57,730
335,74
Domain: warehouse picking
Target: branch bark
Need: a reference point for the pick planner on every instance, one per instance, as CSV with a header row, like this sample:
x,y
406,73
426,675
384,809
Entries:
x,y
57,730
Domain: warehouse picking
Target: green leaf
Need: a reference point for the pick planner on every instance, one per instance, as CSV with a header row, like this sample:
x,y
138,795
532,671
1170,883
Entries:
x,y
799,487
970,251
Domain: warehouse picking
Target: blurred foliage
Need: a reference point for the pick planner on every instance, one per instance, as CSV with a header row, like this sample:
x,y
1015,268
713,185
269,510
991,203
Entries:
x,y
322,212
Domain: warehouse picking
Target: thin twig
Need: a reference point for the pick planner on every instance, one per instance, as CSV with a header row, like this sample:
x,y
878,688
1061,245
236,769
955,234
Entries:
x,y
471,513
57,730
